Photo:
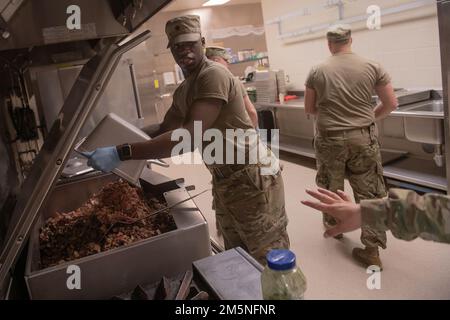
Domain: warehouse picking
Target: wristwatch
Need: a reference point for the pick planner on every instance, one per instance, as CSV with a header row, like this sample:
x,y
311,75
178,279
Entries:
x,y
124,151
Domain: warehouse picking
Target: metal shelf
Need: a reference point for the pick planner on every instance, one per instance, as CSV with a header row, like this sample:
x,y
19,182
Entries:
x,y
417,171
304,147
396,164
250,60
300,146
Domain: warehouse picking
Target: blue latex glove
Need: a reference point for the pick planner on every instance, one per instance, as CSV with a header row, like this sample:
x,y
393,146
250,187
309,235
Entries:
x,y
103,159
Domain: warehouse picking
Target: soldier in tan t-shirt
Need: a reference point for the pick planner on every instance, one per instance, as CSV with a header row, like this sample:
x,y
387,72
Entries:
x,y
220,55
339,93
249,197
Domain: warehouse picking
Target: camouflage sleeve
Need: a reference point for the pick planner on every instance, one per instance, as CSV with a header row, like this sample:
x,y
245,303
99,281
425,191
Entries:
x,y
409,215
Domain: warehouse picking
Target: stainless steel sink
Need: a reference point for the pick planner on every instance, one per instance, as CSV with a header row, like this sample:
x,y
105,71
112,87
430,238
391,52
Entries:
x,y
435,107
424,122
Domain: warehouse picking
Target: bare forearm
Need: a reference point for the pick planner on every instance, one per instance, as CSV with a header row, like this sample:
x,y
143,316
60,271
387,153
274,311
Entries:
x,y
312,112
161,147
388,101
310,101
381,111
206,111
254,118
251,110
158,148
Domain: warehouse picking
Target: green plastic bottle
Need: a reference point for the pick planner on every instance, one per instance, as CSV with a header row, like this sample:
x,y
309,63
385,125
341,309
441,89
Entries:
x,y
282,279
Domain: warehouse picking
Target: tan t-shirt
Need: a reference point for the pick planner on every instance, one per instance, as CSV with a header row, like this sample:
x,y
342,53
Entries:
x,y
211,80
344,86
244,90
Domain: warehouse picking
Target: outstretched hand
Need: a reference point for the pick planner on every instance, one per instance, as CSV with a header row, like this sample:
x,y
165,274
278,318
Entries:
x,y
339,206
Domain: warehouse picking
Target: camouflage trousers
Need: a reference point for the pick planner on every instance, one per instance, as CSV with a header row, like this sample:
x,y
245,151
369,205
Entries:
x,y
354,154
250,209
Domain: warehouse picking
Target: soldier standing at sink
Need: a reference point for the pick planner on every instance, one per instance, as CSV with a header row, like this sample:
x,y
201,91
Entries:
x,y
249,205
339,92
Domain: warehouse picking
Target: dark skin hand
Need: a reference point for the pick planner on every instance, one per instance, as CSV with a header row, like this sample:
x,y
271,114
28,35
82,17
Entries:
x,y
188,56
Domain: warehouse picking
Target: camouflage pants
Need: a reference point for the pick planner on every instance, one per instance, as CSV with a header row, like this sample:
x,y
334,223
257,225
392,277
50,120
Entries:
x,y
356,155
250,211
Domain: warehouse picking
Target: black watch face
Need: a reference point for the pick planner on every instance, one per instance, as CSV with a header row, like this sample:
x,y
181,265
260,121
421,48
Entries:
x,y
126,151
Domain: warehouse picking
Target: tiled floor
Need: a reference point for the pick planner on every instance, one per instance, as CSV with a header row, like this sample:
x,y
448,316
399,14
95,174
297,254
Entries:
x,y
412,270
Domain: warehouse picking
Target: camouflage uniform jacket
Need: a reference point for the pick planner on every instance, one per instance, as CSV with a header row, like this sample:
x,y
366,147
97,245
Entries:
x,y
409,215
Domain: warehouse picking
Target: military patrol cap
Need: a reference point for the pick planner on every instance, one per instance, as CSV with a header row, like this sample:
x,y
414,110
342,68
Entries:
x,y
218,52
339,33
182,29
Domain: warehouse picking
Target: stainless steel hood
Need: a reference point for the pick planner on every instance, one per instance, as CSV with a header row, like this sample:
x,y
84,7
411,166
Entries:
x,y
444,36
29,23
42,22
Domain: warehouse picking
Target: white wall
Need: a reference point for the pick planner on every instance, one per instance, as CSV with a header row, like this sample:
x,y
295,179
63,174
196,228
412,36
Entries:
x,y
407,44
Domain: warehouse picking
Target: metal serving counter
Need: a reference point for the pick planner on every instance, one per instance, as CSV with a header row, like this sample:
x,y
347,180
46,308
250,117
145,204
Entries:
x,y
296,131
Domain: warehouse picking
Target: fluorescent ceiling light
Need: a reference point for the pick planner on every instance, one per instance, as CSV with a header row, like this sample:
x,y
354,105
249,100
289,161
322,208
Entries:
x,y
215,2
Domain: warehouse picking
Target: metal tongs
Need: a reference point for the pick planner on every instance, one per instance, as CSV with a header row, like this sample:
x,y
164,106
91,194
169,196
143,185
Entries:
x,y
154,213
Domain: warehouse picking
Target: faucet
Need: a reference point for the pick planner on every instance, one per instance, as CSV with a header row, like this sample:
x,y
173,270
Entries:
x,y
438,156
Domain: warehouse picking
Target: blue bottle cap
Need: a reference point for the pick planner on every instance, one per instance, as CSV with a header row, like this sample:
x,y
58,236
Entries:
x,y
280,259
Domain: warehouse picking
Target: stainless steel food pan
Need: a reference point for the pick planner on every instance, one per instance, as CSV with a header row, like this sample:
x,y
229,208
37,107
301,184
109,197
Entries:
x,y
110,273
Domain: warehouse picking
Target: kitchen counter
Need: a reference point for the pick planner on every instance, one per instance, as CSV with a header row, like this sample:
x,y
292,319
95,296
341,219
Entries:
x,y
297,103
426,109
296,132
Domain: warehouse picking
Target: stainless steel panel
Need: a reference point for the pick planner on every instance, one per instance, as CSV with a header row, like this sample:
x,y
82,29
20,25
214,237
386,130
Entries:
x,y
424,130
443,8
8,8
428,109
294,122
52,98
113,130
231,275
118,98
3,4
119,270
55,84
392,127
48,165
434,106
300,146
44,21
67,77
408,97
76,166
417,171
